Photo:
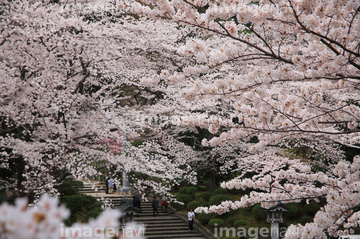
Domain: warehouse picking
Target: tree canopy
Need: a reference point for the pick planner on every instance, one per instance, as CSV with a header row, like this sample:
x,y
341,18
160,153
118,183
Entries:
x,y
258,76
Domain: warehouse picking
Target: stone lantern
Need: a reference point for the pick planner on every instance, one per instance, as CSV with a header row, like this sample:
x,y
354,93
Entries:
x,y
274,216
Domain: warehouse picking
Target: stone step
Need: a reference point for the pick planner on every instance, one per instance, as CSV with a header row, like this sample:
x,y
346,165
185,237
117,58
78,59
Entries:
x,y
172,236
162,226
174,227
156,220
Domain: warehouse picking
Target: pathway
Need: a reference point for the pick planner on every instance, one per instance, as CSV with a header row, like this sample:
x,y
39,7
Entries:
x,y
162,226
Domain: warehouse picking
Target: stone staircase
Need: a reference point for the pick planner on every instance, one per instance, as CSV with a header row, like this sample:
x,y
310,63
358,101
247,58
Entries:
x,y
162,226
166,226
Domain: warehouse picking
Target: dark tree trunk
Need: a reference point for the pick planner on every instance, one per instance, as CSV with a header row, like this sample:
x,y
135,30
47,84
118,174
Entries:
x,y
20,178
212,180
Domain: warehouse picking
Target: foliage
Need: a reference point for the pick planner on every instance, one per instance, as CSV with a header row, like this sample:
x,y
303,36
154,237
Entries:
x,y
305,219
206,196
191,191
311,208
183,190
216,222
76,184
73,202
81,106
204,217
258,213
205,204
96,205
231,220
243,78
192,205
274,71
94,213
66,188
217,199
240,223
292,212
183,198
220,191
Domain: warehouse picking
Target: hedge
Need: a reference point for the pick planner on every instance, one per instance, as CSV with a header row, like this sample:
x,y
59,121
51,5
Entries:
x,y
73,202
93,213
191,191
217,199
183,198
240,223
231,220
183,190
216,222
206,196
193,205
220,191
204,217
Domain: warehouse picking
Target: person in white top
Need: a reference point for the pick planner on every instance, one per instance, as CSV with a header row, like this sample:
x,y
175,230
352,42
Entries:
x,y
111,185
191,217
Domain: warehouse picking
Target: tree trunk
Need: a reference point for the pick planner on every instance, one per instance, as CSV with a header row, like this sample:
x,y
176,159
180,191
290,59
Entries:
x,y
20,178
212,180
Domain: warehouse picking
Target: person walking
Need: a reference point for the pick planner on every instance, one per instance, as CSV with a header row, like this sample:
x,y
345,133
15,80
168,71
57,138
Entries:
x,y
111,185
138,198
164,204
155,205
191,218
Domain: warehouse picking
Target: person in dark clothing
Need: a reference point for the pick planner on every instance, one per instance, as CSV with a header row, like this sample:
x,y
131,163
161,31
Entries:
x,y
155,205
137,195
135,202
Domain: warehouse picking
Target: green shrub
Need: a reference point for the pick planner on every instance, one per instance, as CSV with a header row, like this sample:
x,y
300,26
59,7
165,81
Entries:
x,y
305,219
91,199
311,208
193,205
205,204
73,202
77,184
66,189
86,203
231,220
96,205
217,199
240,223
183,190
204,217
183,198
259,213
216,222
191,191
206,196
69,191
293,211
93,213
65,185
220,191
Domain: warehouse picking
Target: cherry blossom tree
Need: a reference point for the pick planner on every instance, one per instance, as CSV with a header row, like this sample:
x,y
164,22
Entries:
x,y
69,88
280,70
